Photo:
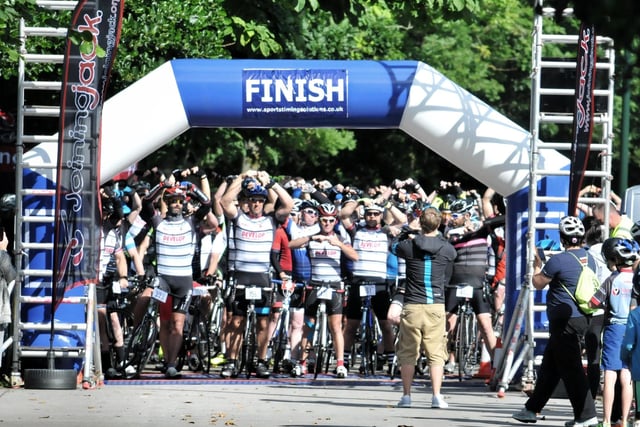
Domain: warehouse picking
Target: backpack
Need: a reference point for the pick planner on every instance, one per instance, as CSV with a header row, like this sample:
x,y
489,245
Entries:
x,y
586,287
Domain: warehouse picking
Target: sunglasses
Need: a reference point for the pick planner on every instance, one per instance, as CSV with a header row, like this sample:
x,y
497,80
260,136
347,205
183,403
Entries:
x,y
456,215
310,212
328,220
256,199
372,213
175,201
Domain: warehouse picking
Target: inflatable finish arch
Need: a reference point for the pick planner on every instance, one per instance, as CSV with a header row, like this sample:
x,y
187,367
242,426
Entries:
x,y
406,95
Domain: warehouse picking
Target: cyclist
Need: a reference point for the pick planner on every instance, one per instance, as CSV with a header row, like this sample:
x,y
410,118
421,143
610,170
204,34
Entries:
x,y
371,243
306,225
429,258
175,245
250,244
326,250
112,276
470,238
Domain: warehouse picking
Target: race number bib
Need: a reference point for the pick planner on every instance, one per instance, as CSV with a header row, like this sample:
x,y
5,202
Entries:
x,y
253,293
464,291
115,287
367,290
159,295
325,293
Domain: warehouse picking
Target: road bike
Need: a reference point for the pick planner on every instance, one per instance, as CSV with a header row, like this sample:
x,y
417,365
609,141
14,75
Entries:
x,y
195,351
320,341
467,341
142,342
280,341
368,334
249,349
121,306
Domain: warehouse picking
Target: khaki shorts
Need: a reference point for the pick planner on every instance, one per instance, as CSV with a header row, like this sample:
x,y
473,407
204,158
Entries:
x,y
422,326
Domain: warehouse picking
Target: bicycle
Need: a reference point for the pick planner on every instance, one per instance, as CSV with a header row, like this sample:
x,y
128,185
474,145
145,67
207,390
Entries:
x,y
321,337
142,343
216,318
196,345
467,338
279,343
122,306
368,331
249,349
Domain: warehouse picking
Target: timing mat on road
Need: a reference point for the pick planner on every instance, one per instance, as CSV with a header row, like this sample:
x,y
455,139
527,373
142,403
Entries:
x,y
323,380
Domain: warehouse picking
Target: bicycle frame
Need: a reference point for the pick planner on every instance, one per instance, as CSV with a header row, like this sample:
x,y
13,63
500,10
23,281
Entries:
x,y
466,333
250,337
368,337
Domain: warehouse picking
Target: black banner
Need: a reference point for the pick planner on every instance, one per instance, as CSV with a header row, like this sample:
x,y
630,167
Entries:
x,y
90,51
583,115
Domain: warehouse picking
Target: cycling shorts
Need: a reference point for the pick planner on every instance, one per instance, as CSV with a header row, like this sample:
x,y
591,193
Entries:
x,y
479,302
379,302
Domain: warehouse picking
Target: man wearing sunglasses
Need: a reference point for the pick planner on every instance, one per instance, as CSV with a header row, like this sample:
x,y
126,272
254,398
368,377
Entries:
x,y
175,239
252,238
470,239
371,242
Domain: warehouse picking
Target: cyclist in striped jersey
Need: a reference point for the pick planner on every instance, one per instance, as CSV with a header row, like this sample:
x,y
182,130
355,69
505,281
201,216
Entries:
x,y
175,245
253,233
371,243
326,250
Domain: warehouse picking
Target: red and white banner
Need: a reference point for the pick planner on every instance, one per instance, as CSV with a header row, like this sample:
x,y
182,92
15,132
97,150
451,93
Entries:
x,y
91,46
583,115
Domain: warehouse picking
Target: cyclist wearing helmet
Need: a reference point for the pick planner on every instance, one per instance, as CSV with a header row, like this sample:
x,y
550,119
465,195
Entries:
x,y
562,358
371,242
326,250
470,238
306,225
112,272
175,239
253,234
615,296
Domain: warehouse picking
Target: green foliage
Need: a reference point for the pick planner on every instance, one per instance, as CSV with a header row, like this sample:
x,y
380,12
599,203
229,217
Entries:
x,y
484,46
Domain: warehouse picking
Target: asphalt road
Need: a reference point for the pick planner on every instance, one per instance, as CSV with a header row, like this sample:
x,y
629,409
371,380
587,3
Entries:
x,y
207,400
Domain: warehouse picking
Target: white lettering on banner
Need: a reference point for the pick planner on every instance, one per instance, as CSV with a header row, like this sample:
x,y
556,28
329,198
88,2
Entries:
x,y
295,90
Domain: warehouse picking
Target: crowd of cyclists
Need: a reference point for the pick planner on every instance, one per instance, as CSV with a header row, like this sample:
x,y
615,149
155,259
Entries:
x,y
306,239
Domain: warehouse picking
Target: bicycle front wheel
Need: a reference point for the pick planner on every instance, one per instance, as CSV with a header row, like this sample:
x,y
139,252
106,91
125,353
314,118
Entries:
x,y
320,347
141,346
249,346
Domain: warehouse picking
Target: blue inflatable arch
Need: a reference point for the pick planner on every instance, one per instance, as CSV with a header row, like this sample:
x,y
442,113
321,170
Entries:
x,y
406,95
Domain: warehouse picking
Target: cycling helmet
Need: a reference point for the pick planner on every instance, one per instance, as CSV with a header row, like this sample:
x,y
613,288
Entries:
x,y
620,251
635,231
327,209
7,203
296,205
253,188
308,204
571,227
174,193
374,207
461,206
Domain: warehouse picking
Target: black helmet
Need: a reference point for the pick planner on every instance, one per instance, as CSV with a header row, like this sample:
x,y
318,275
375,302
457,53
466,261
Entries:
x,y
620,251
